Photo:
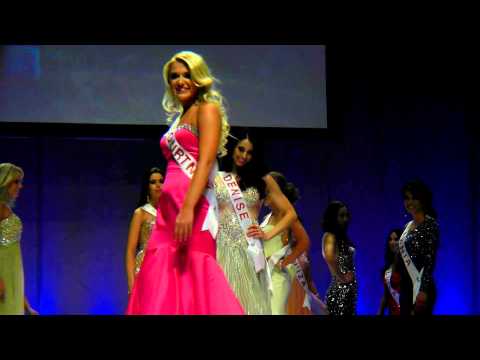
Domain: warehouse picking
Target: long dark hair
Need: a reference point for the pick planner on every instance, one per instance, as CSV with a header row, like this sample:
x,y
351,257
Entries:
x,y
421,192
330,223
252,173
288,188
144,190
389,255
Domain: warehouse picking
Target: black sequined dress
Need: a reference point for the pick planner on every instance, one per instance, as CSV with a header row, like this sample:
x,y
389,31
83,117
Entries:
x,y
341,298
421,244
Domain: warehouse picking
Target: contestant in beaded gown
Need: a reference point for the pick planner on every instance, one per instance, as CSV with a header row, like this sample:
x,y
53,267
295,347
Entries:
x,y
142,222
12,294
342,296
338,252
251,288
420,238
11,267
244,162
145,233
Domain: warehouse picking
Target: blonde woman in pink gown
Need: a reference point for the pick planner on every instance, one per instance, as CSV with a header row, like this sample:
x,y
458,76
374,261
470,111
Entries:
x,y
180,274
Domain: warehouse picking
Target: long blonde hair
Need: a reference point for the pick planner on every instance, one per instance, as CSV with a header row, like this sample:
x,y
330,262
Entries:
x,y
8,173
204,80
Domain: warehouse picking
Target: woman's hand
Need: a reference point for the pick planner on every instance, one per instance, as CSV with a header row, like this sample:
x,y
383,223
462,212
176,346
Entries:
x,y
280,265
255,231
183,225
287,260
283,263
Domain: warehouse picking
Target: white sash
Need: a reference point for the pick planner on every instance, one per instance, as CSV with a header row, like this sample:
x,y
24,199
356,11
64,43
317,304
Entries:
x,y
395,294
278,255
188,164
412,270
273,260
255,246
150,209
311,301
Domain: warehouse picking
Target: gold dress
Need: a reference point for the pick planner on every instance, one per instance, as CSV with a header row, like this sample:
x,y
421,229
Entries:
x,y
145,232
251,288
11,266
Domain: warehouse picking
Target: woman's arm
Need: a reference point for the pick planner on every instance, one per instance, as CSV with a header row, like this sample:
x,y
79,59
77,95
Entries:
x,y
132,243
329,252
209,126
302,243
329,248
285,210
383,303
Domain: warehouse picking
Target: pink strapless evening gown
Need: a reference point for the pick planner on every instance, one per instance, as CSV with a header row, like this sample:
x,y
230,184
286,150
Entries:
x,y
181,281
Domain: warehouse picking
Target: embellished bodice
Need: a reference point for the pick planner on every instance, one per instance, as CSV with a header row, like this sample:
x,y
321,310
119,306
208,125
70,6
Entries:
x,y
187,136
10,230
229,226
421,244
345,258
145,233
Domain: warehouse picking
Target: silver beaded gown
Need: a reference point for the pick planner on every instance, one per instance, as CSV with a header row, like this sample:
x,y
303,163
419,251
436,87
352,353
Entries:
x,y
145,233
11,266
250,288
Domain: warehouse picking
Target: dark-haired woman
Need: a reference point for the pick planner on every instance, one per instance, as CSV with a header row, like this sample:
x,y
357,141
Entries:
x,y
418,245
391,280
241,189
338,252
142,222
286,254
302,294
